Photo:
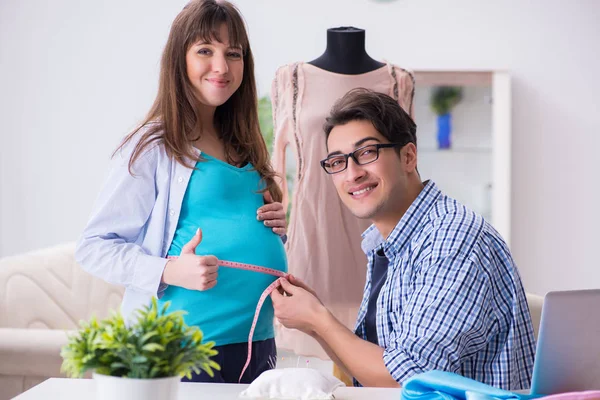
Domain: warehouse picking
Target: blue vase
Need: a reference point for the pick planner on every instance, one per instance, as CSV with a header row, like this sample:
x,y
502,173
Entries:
x,y
444,129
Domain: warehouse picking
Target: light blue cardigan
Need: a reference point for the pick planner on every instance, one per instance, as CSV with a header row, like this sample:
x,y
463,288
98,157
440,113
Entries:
x,y
133,222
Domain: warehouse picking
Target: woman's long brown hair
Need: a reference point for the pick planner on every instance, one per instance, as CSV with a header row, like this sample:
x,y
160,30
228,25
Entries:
x,y
175,111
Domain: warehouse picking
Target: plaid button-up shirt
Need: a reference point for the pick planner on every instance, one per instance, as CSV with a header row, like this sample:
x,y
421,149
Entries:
x,y
453,299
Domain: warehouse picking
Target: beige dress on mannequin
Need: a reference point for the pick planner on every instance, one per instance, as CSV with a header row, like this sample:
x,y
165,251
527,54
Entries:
x,y
324,238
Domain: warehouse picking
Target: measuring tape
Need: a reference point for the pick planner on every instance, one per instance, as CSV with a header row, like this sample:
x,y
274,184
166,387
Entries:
x,y
261,300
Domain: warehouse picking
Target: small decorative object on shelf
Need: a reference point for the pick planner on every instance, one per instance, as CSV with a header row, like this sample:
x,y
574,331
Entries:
x,y
443,99
141,359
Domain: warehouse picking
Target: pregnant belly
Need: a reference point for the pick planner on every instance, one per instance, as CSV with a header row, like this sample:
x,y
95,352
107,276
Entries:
x,y
225,312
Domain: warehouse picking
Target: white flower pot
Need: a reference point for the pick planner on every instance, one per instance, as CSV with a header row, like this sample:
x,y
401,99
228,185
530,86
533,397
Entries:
x,y
113,388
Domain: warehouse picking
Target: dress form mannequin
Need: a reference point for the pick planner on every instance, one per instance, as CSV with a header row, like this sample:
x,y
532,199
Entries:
x,y
345,52
324,238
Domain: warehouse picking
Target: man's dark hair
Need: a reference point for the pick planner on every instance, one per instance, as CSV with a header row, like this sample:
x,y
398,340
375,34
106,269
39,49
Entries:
x,y
386,115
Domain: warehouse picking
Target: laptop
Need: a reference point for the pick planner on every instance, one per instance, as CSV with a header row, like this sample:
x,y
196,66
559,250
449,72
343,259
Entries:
x,y
567,358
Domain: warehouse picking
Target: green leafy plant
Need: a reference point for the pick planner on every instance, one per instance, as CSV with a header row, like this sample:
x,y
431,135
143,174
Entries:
x,y
265,120
444,98
157,345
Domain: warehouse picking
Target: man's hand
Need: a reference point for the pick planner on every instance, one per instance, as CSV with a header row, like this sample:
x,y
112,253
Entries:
x,y
297,282
191,271
298,308
273,214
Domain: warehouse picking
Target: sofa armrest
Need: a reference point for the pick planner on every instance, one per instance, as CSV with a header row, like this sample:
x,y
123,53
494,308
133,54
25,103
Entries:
x,y
31,352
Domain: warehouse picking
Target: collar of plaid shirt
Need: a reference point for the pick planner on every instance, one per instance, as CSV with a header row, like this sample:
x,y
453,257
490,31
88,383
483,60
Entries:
x,y
372,239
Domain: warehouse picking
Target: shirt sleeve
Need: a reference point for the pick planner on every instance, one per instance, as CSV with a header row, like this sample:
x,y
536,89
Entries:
x,y
110,246
446,319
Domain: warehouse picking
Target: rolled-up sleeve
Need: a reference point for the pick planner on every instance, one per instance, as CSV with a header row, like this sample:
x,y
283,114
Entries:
x,y
446,319
110,246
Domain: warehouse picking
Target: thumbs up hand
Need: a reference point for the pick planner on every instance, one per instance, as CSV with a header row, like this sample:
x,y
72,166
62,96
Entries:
x,y
191,271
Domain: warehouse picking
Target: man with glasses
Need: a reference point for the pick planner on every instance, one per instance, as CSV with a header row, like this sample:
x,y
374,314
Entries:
x,y
442,291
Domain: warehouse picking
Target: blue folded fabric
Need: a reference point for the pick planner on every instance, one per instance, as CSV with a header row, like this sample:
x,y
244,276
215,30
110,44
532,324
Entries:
x,y
441,385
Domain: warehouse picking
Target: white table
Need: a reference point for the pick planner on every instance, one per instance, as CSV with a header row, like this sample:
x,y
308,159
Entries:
x,y
84,389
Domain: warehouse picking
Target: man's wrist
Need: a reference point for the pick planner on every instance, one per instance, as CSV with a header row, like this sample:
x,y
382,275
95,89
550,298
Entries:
x,y
324,321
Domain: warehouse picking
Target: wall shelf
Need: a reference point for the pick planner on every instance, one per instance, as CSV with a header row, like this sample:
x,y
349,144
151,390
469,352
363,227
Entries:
x,y
462,150
478,168
453,78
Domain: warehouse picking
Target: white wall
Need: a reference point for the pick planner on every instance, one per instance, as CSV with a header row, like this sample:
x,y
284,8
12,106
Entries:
x,y
75,76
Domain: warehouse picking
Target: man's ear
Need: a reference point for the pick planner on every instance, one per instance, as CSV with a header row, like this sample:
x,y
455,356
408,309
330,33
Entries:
x,y
408,157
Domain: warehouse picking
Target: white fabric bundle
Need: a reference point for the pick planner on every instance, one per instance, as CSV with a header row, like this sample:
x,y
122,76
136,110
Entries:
x,y
292,384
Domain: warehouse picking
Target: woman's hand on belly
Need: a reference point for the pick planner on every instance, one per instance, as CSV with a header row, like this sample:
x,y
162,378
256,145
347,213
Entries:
x,y
273,214
191,271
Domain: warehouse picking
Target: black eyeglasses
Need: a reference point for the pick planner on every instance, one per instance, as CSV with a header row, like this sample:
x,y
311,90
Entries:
x,y
361,156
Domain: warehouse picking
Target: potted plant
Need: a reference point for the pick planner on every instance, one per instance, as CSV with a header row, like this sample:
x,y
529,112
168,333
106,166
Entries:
x,y
443,99
144,359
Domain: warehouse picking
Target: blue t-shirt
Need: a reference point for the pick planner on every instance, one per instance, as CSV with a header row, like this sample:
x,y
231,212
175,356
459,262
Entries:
x,y
222,200
378,276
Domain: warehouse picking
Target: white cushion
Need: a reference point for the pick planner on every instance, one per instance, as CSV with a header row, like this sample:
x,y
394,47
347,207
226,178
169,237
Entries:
x,y
293,384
